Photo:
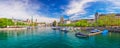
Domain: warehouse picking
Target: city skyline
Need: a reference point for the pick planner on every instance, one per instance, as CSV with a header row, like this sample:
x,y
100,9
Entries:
x,y
50,10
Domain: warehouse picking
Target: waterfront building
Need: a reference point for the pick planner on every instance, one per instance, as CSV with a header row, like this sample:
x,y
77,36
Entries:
x,y
27,21
90,20
67,21
116,15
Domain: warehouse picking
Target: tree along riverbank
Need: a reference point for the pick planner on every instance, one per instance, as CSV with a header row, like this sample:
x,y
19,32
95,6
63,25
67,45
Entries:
x,y
5,22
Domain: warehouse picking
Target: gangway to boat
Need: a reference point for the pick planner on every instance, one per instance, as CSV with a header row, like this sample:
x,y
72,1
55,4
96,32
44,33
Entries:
x,y
87,35
91,34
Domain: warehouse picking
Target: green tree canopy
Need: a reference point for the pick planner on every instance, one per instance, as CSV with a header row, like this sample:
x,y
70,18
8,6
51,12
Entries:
x,y
4,22
54,23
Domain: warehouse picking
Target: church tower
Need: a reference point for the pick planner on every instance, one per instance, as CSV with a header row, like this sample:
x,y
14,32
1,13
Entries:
x,y
61,20
96,18
96,15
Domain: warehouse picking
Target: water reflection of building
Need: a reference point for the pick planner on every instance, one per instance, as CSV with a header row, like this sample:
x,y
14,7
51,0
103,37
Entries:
x,y
5,35
41,24
21,34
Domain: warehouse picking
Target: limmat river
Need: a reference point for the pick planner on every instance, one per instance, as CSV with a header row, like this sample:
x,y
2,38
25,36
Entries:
x,y
48,38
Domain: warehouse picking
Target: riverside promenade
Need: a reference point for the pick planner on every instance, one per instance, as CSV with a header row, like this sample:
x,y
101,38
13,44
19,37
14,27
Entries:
x,y
111,29
13,28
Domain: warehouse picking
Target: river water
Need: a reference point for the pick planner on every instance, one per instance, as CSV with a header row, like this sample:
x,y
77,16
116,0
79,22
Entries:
x,y
48,38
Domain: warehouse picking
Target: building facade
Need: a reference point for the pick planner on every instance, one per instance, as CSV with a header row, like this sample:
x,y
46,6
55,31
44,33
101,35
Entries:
x,y
61,20
67,22
116,15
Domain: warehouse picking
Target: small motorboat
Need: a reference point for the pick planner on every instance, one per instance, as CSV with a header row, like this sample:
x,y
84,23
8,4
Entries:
x,y
29,27
64,29
105,31
79,34
55,28
94,31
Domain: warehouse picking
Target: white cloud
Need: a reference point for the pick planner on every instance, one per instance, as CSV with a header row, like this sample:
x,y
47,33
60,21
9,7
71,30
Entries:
x,y
115,2
22,9
77,7
114,5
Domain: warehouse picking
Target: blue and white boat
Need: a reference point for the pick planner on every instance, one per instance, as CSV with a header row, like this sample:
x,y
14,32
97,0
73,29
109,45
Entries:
x,y
55,28
94,31
64,29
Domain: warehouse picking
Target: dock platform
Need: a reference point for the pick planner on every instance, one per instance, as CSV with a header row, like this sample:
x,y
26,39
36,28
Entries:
x,y
91,34
87,35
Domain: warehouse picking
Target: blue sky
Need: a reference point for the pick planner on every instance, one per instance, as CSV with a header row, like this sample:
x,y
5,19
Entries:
x,y
50,10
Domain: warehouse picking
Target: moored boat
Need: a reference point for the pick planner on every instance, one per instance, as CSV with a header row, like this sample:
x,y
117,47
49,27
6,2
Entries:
x,y
79,34
94,31
55,28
